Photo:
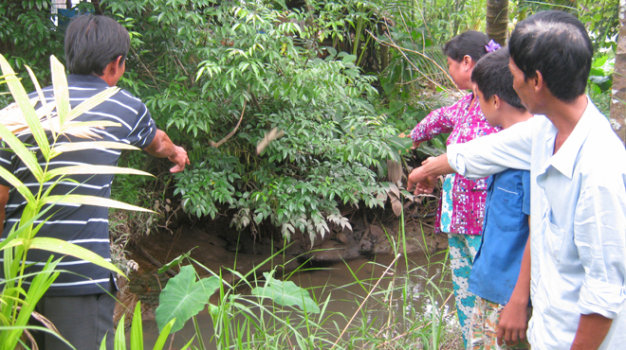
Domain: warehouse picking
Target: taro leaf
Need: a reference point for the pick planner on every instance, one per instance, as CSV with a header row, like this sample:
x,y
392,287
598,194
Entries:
x,y
286,294
183,297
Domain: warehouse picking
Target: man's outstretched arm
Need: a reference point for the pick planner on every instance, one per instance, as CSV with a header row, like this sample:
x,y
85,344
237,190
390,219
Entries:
x,y
162,147
422,179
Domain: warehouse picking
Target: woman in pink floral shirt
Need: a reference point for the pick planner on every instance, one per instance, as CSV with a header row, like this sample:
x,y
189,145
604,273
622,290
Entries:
x,y
462,203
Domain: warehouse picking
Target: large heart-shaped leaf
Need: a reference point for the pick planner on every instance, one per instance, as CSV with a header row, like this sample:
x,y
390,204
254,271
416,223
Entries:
x,y
286,293
183,297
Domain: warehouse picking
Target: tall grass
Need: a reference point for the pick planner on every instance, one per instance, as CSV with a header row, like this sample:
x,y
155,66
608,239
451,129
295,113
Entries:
x,y
398,306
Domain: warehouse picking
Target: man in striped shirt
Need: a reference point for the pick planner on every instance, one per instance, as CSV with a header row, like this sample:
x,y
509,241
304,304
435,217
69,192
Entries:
x,y
80,302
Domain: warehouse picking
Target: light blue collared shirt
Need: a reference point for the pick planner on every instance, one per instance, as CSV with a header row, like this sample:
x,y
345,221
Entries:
x,y
578,220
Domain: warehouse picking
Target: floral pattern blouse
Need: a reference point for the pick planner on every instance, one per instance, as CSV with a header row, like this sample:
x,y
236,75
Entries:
x,y
465,122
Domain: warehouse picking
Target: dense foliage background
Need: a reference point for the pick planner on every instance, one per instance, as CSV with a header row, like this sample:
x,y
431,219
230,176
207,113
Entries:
x,y
327,85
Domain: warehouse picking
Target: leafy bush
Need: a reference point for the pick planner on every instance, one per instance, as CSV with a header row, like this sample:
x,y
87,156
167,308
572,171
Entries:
x,y
28,36
601,80
243,69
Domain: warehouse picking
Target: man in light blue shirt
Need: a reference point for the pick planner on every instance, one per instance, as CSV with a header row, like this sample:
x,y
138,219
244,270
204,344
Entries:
x,y
578,187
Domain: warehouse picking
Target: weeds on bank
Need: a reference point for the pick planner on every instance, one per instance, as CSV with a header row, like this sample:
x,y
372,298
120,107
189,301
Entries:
x,y
399,306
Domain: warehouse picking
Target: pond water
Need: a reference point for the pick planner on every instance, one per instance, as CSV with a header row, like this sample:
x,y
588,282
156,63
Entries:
x,y
393,287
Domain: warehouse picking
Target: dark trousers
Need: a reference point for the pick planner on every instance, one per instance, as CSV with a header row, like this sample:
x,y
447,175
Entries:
x,y
83,320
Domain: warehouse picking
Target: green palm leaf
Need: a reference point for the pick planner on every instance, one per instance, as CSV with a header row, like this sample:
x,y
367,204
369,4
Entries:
x,y
62,247
61,90
91,103
22,152
93,200
33,78
136,329
28,111
17,184
86,145
92,169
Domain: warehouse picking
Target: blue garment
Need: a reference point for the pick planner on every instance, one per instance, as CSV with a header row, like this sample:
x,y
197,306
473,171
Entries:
x,y
578,220
505,232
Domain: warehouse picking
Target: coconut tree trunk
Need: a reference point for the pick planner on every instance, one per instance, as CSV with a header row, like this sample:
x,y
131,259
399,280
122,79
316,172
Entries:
x,y
497,20
618,102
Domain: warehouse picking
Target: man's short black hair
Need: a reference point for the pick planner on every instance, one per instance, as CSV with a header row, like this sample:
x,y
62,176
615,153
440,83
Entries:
x,y
556,44
493,77
92,42
471,43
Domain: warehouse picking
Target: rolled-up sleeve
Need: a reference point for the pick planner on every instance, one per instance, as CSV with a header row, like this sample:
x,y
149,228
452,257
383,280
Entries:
x,y
439,121
600,237
491,154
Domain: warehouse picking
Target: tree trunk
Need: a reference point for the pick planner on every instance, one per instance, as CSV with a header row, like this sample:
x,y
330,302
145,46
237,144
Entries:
x,y
497,20
618,102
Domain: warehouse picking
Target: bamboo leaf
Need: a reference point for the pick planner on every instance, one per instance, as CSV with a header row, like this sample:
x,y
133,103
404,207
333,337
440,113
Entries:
x,y
86,145
91,102
92,169
22,152
97,124
61,89
103,343
120,336
188,345
84,130
136,329
38,286
17,184
16,242
165,332
93,200
42,98
62,247
21,98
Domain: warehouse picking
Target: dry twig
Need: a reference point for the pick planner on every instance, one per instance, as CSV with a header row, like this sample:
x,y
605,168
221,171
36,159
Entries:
x,y
230,134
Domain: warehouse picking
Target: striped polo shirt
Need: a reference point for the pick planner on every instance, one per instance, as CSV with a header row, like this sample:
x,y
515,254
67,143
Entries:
x,y
83,225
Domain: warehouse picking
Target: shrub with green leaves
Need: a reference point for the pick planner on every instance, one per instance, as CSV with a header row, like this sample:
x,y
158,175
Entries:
x,y
229,73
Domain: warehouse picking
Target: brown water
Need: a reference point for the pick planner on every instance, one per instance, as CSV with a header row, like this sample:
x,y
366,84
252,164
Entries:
x,y
346,295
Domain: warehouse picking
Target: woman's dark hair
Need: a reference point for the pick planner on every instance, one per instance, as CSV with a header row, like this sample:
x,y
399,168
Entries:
x,y
556,44
493,77
92,42
471,43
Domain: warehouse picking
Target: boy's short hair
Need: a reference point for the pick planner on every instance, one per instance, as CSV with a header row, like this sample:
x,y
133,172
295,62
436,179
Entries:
x,y
556,44
92,42
471,43
493,77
